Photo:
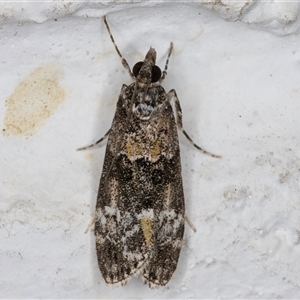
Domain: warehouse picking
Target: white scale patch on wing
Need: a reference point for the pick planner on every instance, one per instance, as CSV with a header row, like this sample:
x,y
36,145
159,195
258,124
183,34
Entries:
x,y
170,223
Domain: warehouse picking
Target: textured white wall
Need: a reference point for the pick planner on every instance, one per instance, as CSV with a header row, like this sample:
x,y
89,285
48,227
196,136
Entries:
x,y
238,82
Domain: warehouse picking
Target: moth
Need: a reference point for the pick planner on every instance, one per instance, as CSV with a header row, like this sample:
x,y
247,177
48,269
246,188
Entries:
x,y
140,212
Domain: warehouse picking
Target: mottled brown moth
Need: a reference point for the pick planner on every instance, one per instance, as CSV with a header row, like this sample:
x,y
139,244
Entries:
x,y
140,213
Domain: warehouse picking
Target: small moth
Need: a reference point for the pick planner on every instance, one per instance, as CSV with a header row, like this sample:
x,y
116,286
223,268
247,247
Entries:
x,y
140,214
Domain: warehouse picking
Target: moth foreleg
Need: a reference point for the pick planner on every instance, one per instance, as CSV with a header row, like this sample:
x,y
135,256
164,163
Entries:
x,y
96,143
172,95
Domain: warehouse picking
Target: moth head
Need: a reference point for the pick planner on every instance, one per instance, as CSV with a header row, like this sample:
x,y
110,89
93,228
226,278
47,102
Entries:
x,y
146,71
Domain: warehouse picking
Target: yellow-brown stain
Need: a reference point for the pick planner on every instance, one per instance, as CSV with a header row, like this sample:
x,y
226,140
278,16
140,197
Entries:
x,y
34,100
155,149
147,227
133,148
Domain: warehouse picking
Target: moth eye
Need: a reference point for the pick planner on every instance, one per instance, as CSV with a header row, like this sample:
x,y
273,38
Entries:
x,y
156,74
157,176
136,68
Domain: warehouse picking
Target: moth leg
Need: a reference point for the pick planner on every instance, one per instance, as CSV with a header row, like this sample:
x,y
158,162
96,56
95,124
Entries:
x,y
96,143
92,222
187,219
164,74
123,60
172,95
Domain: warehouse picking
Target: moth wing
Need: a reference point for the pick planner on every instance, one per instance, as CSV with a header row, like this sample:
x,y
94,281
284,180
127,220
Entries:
x,y
121,250
168,208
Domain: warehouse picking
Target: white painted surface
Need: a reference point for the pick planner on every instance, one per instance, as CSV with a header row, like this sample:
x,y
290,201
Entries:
x,y
239,90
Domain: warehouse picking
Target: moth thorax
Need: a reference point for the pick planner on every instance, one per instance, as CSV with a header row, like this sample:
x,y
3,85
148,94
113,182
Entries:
x,y
143,111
